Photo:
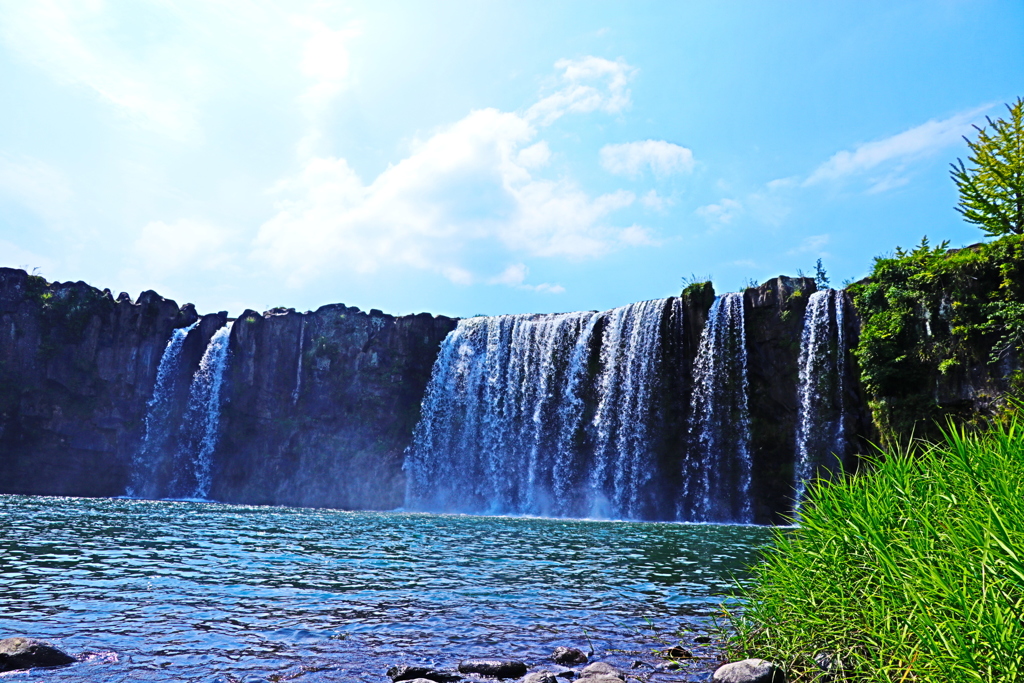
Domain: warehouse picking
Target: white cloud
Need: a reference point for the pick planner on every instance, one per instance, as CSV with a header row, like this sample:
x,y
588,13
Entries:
x,y
587,85
631,158
515,276
36,185
898,149
721,213
814,244
70,42
13,256
652,200
469,186
164,249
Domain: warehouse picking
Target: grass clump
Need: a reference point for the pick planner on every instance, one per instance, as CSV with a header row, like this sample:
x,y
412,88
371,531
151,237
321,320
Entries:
x,y
911,571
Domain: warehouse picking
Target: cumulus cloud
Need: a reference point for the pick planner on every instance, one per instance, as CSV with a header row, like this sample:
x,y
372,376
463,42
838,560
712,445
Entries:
x,y
585,85
471,185
895,151
721,213
34,184
631,158
163,249
515,276
813,244
69,41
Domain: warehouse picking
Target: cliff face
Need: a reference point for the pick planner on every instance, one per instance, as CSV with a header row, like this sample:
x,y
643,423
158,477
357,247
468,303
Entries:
x,y
319,407
76,370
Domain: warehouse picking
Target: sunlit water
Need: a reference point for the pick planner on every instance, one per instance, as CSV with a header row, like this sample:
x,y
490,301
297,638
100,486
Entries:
x,y
180,591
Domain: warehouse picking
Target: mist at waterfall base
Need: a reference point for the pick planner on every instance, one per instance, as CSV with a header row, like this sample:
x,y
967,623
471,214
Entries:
x,y
191,591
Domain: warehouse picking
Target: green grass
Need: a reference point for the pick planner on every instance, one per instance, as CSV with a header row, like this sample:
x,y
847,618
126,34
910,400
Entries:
x,y
910,571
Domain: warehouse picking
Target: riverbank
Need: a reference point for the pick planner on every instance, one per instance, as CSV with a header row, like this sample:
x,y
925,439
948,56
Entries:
x,y
910,571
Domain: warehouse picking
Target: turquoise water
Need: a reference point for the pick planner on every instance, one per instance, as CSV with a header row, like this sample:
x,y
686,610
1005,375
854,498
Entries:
x,y
184,591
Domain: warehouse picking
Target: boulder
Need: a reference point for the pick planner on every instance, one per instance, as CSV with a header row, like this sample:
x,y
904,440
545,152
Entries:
x,y
599,672
28,653
540,677
412,673
498,668
749,671
567,656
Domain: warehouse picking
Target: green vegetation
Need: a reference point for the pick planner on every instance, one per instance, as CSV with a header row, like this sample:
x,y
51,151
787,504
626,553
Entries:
x,y
992,187
913,571
933,312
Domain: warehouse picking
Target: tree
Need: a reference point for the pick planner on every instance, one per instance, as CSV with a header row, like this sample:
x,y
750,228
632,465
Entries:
x,y
820,276
992,188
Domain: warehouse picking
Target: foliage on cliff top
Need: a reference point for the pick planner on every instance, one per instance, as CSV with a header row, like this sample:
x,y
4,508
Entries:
x,y
66,309
932,312
913,571
992,187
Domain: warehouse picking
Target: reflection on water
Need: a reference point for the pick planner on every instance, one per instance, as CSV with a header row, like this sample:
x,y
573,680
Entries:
x,y
206,592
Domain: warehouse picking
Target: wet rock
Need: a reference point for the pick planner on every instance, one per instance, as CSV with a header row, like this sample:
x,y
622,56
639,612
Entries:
x,y
497,668
677,652
540,677
568,673
827,662
637,664
28,653
668,666
599,672
749,671
414,673
567,656
702,640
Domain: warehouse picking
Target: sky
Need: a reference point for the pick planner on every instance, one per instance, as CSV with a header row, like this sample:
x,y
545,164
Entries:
x,y
468,158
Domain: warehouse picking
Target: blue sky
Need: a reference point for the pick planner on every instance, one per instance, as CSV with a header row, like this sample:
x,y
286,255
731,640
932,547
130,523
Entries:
x,y
470,157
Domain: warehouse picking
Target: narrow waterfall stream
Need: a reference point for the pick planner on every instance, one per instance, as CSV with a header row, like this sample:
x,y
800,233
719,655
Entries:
x,y
821,434
202,420
718,472
506,427
158,408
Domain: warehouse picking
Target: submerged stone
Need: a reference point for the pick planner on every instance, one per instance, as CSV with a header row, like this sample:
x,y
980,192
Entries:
x,y
567,656
404,672
600,672
493,667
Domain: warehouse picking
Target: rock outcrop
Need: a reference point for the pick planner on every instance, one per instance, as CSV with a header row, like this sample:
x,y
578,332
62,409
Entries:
x,y
318,408
27,653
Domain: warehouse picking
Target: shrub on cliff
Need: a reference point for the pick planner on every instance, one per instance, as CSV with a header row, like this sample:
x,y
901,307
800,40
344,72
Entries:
x,y
913,571
929,313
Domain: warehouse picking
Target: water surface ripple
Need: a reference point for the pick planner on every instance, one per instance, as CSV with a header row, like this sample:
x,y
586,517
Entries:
x,y
184,591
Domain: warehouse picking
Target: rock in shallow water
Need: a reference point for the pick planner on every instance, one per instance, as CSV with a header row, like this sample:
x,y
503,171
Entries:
x,y
567,656
749,671
540,677
493,667
599,672
28,653
414,673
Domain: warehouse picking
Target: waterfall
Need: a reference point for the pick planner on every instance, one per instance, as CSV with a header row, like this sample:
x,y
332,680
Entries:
x,y
504,425
158,408
202,418
820,435
717,476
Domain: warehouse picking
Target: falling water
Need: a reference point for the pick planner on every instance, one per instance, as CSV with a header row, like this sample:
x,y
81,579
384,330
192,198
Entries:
x,y
158,408
202,419
504,426
717,474
820,435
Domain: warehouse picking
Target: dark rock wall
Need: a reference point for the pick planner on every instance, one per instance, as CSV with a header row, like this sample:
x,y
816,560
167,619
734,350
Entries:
x,y
326,426
319,407
76,371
